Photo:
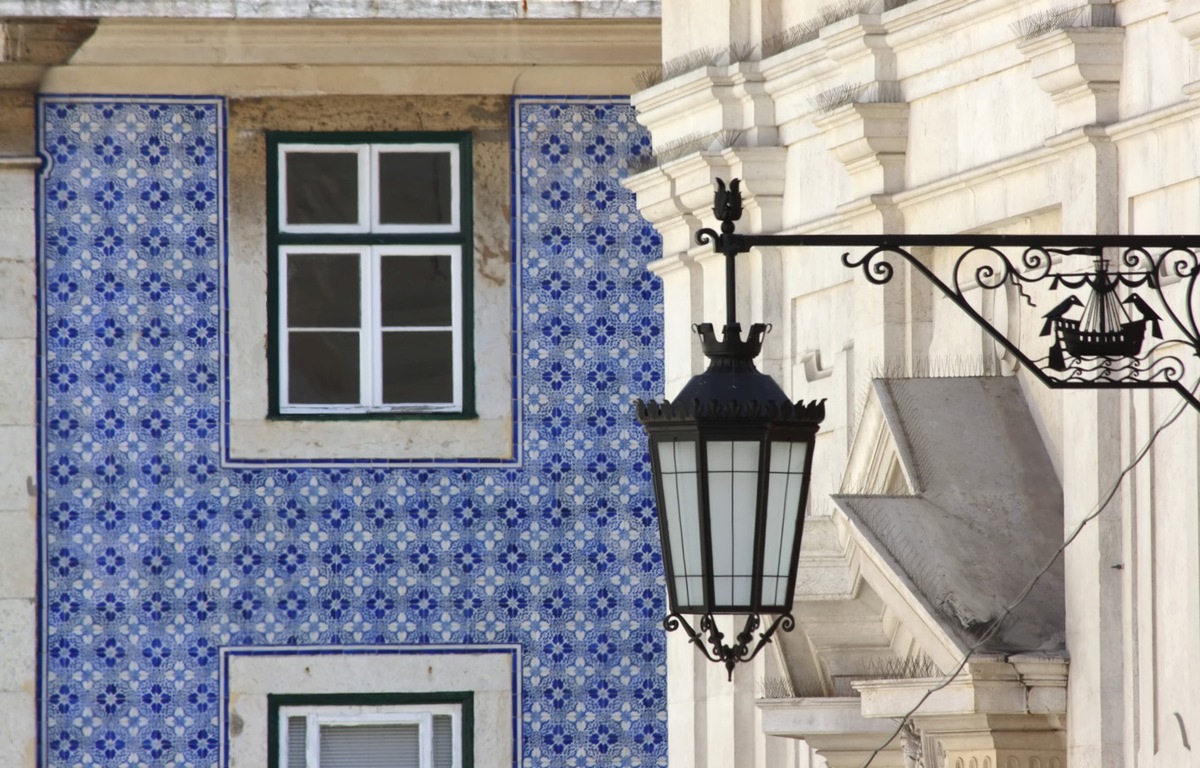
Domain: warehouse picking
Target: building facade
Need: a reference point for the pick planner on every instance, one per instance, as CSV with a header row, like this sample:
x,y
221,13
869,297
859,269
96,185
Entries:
x,y
945,478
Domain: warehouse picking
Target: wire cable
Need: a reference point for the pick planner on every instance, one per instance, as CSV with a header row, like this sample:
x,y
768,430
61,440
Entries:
x,y
995,627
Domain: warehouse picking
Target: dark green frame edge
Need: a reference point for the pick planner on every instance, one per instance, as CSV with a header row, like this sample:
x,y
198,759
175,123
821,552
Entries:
x,y
465,239
465,698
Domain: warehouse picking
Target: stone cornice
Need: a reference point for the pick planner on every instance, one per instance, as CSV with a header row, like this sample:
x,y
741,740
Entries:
x,y
28,47
425,43
984,687
337,9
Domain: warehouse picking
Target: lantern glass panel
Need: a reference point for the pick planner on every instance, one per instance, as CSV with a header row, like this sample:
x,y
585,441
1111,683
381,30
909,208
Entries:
x,y
680,515
732,511
784,487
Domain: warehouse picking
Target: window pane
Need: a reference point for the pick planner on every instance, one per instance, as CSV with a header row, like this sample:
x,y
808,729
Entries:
x,y
322,187
323,367
418,367
416,290
414,188
297,742
733,511
323,290
370,746
681,511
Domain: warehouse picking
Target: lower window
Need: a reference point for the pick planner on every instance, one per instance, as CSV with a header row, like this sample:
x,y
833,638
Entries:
x,y
370,329
370,731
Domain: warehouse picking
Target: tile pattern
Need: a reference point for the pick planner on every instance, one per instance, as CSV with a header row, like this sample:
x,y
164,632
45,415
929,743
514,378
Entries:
x,y
155,556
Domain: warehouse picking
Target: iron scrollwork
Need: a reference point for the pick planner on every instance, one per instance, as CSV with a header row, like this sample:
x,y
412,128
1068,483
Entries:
x,y
717,650
1116,311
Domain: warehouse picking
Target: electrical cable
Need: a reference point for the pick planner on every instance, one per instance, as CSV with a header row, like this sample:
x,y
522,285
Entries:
x,y
995,627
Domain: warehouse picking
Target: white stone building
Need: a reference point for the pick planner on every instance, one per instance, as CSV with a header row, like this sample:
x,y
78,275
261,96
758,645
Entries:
x,y
939,470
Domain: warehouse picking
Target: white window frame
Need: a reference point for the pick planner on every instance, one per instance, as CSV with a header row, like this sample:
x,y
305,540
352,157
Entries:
x,y
455,193
384,714
368,188
365,199
370,329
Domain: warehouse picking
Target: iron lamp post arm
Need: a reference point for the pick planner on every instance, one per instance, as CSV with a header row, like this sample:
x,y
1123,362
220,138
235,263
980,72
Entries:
x,y
1081,356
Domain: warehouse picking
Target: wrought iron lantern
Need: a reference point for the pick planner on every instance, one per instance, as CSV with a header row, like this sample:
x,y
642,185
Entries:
x,y
731,458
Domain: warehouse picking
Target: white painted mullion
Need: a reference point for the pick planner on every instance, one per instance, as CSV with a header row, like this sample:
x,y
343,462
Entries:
x,y
456,320
284,332
368,327
312,746
456,739
425,733
366,201
455,189
282,746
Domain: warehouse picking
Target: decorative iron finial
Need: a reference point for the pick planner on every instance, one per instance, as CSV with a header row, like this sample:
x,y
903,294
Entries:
x,y
727,203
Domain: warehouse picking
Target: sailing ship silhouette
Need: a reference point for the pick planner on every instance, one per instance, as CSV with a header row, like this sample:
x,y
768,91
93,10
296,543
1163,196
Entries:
x,y
1105,329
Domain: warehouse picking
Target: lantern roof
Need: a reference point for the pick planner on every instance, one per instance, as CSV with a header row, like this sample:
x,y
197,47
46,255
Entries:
x,y
732,389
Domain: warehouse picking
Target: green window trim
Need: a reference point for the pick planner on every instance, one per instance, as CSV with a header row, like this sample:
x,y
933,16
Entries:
x,y
463,239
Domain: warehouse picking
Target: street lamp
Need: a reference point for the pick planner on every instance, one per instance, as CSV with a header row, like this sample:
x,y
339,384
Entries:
x,y
731,455
731,458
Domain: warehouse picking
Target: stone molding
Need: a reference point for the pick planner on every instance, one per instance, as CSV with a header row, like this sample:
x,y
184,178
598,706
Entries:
x,y
859,47
29,47
676,197
994,714
1081,70
707,101
1184,15
870,141
834,727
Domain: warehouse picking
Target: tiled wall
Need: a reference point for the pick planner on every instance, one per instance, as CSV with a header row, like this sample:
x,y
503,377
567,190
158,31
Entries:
x,y
154,556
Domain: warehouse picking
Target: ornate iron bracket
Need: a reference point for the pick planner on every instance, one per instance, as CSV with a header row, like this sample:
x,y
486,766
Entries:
x,y
740,651
1099,331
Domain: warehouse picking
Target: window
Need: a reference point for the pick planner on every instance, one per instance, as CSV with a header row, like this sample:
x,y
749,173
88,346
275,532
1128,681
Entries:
x,y
340,731
371,240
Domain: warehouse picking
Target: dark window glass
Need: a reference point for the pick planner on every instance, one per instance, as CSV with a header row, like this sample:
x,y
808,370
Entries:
x,y
322,187
414,188
323,290
322,367
415,290
418,367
